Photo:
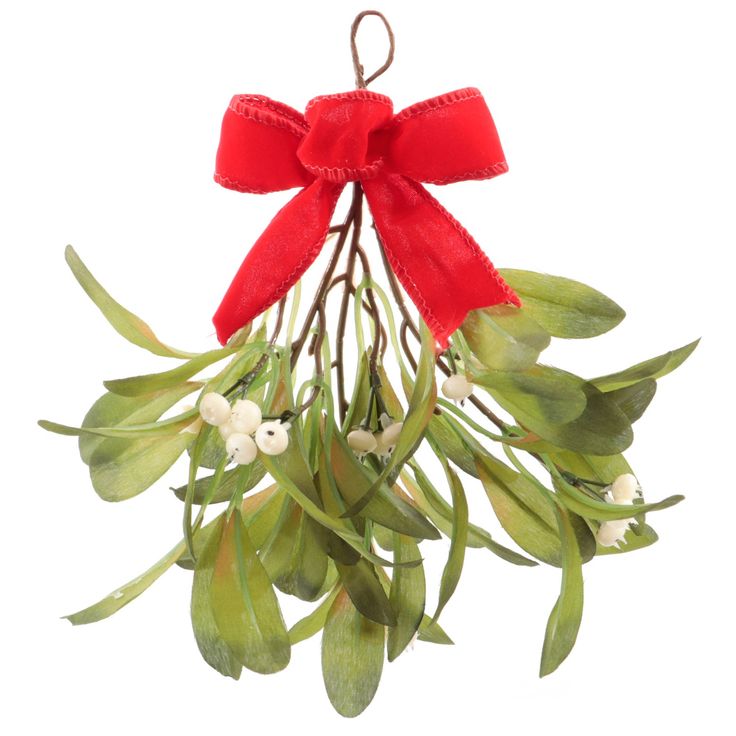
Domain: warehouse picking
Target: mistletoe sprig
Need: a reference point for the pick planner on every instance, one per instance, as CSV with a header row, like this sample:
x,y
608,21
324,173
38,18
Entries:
x,y
325,514
334,483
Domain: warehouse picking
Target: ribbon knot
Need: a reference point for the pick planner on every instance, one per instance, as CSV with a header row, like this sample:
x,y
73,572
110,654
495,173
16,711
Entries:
x,y
266,146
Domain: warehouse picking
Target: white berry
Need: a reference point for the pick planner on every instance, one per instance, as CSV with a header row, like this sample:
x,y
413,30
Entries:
x,y
612,532
240,448
246,416
214,408
391,434
624,488
361,440
272,438
227,429
457,387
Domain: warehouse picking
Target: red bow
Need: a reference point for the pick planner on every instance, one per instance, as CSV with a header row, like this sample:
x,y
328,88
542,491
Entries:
x,y
267,146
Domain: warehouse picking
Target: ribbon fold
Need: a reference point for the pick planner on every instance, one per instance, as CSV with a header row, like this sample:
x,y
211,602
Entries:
x,y
266,146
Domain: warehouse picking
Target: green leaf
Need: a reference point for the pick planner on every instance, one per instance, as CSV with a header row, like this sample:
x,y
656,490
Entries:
x,y
137,385
633,400
407,596
652,368
212,646
537,397
132,328
244,603
127,468
293,555
522,511
581,503
111,410
563,307
564,620
429,500
458,541
313,622
352,657
339,526
432,632
504,337
366,592
637,536
128,592
354,480
441,428
231,479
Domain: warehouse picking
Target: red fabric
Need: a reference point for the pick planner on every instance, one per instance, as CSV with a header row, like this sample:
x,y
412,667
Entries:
x,y
354,136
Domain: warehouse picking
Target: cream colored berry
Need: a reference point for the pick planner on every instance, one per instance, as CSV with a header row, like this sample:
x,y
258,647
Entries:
x,y
624,488
246,416
214,408
227,429
457,388
391,434
241,449
361,440
612,532
272,438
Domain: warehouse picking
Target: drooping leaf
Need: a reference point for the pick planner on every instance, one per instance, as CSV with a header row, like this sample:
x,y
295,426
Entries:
x,y
407,596
563,307
230,480
111,410
352,657
652,368
293,555
441,428
504,338
244,603
633,400
366,592
129,467
564,620
137,385
128,592
523,513
214,649
432,632
458,541
354,480
127,324
440,513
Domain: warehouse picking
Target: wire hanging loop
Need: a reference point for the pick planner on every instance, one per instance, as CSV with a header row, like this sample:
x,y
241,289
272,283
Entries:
x,y
360,81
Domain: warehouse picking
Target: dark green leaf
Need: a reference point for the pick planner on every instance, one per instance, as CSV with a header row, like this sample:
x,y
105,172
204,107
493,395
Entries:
x,y
633,400
366,592
230,481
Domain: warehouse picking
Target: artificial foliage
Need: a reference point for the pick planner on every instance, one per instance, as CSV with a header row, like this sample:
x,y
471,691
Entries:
x,y
327,477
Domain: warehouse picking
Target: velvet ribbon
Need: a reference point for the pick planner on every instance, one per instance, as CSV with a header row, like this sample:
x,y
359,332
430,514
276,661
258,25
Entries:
x,y
266,146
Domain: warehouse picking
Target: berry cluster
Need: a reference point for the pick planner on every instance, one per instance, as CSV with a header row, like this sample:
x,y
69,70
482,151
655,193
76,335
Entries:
x,y
623,490
242,428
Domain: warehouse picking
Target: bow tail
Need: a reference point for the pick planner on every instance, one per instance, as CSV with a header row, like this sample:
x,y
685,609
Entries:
x,y
285,250
441,267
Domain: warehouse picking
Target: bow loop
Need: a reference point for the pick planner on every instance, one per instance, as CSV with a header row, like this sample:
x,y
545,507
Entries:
x,y
344,141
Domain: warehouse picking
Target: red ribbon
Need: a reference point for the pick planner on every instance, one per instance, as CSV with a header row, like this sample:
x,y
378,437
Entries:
x,y
267,146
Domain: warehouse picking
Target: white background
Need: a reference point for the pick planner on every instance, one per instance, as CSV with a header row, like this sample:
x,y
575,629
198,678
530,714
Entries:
x,y
617,120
